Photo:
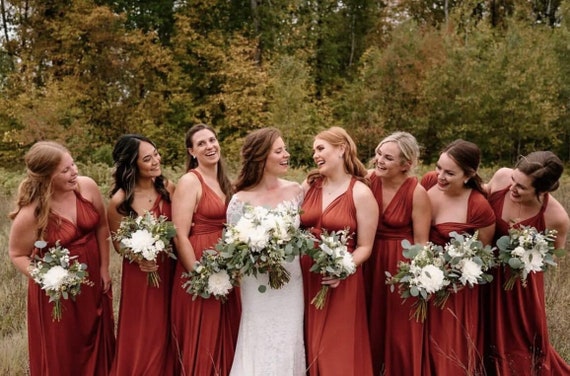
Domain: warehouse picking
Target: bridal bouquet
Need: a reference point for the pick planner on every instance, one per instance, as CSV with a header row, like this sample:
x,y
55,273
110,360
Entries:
x,y
423,277
331,258
526,250
144,238
262,239
468,260
59,275
210,277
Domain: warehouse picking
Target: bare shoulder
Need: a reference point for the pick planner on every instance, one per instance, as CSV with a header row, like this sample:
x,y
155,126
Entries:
x,y
188,180
88,188
556,216
362,191
291,186
501,179
26,216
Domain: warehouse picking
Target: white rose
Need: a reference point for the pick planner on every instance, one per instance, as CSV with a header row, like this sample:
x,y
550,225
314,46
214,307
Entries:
x,y
518,252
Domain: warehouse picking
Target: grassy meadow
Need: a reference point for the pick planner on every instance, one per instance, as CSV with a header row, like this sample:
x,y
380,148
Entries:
x,y
13,333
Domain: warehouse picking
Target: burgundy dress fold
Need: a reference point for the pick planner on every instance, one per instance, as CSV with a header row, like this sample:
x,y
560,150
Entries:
x,y
83,342
204,330
396,340
454,334
517,330
336,337
144,344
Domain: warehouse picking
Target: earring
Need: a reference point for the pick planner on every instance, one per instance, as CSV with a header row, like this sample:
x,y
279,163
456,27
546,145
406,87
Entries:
x,y
466,181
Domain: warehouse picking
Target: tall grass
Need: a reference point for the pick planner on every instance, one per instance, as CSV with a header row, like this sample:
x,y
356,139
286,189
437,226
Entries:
x,y
13,286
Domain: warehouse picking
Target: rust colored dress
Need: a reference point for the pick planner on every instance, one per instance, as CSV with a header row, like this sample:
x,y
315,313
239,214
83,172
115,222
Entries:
x,y
336,337
204,330
396,340
454,339
516,319
83,342
143,333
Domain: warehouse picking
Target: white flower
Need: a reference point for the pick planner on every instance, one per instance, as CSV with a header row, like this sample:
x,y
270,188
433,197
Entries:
x,y
140,241
54,278
431,278
533,261
159,245
518,251
219,283
348,263
454,251
470,271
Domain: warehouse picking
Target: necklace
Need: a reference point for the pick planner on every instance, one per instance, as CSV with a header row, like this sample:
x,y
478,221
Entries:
x,y
150,197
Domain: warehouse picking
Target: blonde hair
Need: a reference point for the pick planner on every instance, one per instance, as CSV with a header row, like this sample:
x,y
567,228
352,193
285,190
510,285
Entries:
x,y
41,160
408,145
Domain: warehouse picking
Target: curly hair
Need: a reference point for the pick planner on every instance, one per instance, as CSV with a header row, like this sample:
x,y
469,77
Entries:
x,y
191,162
337,136
125,156
41,161
254,153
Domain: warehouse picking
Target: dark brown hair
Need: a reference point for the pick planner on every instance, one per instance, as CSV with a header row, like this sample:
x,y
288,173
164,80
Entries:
x,y
467,155
545,169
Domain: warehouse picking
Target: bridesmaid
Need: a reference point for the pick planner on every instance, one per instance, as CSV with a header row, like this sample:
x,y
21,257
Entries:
x,y
138,187
204,330
516,320
453,340
54,203
396,340
337,197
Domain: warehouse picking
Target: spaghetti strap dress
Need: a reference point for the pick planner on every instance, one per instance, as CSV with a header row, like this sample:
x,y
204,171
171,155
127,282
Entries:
x,y
145,313
336,336
83,342
396,340
204,330
517,330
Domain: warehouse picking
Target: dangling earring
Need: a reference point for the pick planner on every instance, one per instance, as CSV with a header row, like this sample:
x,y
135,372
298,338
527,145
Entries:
x,y
466,181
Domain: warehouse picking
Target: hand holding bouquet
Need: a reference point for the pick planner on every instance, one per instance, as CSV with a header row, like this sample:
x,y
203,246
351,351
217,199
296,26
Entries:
x,y
262,239
331,258
210,277
58,275
422,277
526,250
144,238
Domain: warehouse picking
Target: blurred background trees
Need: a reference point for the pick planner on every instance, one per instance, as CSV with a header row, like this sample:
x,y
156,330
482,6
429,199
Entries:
x,y
83,72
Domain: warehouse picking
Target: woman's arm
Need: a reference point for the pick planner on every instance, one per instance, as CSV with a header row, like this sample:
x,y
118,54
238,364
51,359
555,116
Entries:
x,y
367,213
23,235
421,215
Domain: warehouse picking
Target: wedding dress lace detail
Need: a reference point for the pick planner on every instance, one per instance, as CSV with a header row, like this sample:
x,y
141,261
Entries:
x,y
270,340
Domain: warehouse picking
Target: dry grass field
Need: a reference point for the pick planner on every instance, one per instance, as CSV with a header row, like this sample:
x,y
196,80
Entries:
x,y
13,333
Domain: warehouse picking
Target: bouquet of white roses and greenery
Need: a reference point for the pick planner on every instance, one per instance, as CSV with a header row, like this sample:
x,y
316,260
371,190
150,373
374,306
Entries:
x,y
469,260
331,258
526,250
58,274
209,277
145,238
261,240
423,277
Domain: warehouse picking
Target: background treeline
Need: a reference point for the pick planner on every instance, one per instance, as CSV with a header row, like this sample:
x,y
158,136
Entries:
x,y
495,72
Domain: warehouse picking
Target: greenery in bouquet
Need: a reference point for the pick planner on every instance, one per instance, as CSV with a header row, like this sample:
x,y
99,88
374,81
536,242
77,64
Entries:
x,y
468,260
145,238
209,277
261,240
59,274
423,277
331,258
526,250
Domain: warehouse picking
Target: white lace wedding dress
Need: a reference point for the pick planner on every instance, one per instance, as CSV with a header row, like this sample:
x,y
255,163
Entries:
x,y
270,339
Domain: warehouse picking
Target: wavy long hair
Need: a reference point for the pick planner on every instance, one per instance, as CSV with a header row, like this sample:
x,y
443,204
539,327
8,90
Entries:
x,y
125,156
41,161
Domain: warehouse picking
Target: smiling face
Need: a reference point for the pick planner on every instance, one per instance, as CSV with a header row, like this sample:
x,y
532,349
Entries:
x,y
205,147
277,161
388,160
326,156
148,161
450,177
65,176
521,189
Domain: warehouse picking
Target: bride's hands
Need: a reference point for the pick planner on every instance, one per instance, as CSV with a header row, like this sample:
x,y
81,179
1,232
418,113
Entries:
x,y
330,281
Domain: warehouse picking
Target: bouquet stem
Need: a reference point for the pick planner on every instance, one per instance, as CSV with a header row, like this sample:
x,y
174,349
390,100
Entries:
x,y
510,283
321,298
153,279
440,300
420,311
56,311
278,277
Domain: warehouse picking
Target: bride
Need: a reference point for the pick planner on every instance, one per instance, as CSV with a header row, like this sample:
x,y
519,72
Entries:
x,y
270,338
